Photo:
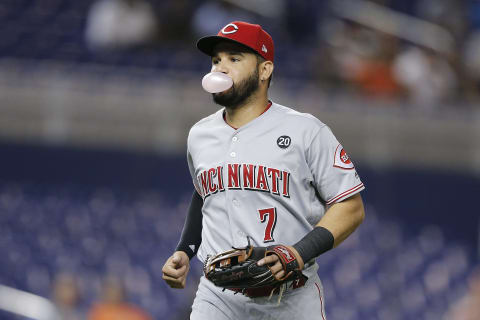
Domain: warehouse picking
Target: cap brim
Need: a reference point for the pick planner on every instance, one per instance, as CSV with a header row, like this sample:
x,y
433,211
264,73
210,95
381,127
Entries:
x,y
207,44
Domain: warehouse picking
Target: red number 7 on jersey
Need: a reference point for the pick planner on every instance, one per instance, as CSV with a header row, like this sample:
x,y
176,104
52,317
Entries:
x,y
271,213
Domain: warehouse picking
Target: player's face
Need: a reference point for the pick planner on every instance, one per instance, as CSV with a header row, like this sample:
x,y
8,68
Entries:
x,y
241,65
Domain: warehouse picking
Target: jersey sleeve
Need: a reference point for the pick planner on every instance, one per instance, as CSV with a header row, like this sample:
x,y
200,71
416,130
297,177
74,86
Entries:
x,y
334,175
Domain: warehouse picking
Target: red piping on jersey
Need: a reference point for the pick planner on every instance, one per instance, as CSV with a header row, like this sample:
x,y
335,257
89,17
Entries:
x,y
268,107
321,300
346,193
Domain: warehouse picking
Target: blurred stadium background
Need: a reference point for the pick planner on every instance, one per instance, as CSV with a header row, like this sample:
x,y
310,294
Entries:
x,y
96,100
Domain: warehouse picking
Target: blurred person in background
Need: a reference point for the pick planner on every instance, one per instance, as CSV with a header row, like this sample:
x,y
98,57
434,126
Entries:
x,y
431,77
113,304
375,76
427,76
358,58
175,19
471,58
66,297
211,14
468,307
113,24
471,50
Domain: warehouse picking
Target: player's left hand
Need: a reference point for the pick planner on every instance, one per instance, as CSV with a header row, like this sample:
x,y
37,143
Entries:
x,y
273,261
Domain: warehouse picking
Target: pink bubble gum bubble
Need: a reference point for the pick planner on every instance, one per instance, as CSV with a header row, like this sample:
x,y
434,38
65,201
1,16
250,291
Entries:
x,y
215,82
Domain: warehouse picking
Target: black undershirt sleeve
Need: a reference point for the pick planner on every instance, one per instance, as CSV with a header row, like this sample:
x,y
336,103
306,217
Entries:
x,y
192,229
314,243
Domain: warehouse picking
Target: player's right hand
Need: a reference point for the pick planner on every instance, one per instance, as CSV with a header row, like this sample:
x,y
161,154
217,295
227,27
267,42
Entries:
x,y
176,269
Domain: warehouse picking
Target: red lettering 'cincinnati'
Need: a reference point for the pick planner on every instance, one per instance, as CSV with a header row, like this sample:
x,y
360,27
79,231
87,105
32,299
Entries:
x,y
220,178
204,182
286,184
234,176
212,187
249,176
262,183
274,174
246,177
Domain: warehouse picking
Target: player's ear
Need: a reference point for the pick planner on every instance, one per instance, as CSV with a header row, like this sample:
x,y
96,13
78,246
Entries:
x,y
265,70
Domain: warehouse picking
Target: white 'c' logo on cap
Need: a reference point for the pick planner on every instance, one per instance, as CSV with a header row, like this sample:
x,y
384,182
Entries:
x,y
235,28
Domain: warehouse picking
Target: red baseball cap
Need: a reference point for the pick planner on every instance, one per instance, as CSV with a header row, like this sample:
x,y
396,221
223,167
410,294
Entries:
x,y
247,34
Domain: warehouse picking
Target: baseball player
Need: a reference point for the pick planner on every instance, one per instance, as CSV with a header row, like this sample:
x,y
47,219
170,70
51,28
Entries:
x,y
266,175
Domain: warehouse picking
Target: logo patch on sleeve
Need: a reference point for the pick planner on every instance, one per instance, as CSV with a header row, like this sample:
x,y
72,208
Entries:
x,y
341,159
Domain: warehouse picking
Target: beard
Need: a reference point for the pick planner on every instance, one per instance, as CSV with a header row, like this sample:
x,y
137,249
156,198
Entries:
x,y
237,95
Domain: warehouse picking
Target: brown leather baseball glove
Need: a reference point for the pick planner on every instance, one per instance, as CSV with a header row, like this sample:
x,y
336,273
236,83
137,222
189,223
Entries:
x,y
237,268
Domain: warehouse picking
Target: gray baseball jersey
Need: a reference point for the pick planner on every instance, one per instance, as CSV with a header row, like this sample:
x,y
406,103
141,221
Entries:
x,y
271,179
